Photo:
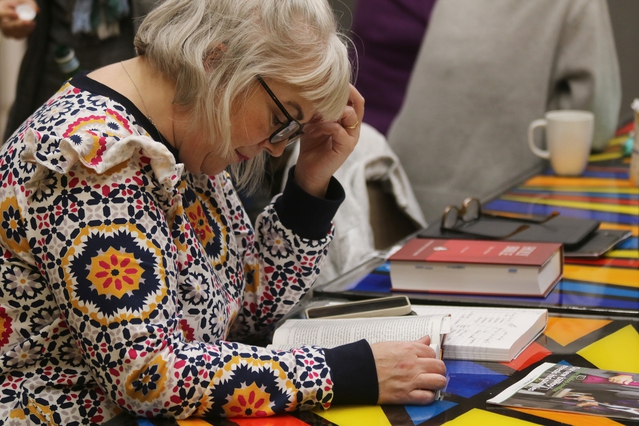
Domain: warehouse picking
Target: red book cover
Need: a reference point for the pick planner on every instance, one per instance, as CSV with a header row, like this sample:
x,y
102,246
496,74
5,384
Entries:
x,y
477,266
476,251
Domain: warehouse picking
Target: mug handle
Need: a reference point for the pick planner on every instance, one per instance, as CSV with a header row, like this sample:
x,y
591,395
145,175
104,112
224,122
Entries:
x,y
531,138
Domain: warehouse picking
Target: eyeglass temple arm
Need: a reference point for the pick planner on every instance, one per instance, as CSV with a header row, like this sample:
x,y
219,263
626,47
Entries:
x,y
526,219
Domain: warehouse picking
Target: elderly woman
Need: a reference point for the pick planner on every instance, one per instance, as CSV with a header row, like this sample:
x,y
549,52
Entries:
x,y
129,269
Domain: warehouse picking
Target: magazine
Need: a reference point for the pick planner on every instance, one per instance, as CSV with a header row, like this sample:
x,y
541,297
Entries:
x,y
560,387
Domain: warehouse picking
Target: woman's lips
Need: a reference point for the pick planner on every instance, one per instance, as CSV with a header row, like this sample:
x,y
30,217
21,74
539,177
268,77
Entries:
x,y
241,157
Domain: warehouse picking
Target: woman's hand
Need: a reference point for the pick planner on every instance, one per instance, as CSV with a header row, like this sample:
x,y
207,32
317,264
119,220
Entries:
x,y
326,145
10,23
408,372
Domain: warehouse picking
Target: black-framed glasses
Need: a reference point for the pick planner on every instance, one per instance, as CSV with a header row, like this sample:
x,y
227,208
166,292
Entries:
x,y
471,210
290,131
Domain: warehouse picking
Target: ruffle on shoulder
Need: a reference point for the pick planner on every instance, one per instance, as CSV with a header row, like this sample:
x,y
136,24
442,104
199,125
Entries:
x,y
104,155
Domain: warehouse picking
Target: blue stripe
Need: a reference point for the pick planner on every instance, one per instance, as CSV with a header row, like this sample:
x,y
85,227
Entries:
x,y
571,300
593,289
606,175
629,244
539,209
594,174
590,295
612,196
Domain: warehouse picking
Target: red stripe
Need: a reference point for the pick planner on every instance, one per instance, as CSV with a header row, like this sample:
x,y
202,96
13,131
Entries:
x,y
605,261
625,129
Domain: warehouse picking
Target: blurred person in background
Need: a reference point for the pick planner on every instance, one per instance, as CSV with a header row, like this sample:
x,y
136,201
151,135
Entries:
x,y
100,33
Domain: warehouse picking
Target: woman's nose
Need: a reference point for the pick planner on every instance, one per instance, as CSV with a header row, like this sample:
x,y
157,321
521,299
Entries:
x,y
274,149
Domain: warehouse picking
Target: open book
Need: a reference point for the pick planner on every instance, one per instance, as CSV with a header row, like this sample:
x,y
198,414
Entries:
x,y
471,333
560,387
488,334
329,333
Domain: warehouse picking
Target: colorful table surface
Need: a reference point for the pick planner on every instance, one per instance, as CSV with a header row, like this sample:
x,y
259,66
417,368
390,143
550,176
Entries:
x,y
599,286
600,342
604,334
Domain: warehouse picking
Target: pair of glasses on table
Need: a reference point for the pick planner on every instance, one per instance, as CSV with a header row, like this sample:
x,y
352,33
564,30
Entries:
x,y
471,211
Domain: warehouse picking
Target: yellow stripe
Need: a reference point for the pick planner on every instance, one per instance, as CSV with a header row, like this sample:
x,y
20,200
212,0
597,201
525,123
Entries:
x,y
597,274
578,181
605,156
624,254
616,351
477,416
613,208
355,415
619,140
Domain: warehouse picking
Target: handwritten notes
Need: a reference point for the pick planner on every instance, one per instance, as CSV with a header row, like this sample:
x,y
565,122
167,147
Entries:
x,y
491,334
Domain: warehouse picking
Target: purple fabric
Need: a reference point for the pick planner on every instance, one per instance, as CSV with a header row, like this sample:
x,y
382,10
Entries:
x,y
387,35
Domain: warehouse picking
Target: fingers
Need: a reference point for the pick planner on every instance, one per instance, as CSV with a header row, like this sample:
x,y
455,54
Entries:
x,y
356,100
425,340
408,372
10,23
420,397
353,112
12,26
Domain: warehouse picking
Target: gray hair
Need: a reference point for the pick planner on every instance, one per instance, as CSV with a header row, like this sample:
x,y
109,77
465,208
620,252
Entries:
x,y
213,49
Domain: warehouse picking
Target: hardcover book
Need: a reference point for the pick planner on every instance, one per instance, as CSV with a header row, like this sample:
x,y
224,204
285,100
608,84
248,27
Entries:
x,y
476,266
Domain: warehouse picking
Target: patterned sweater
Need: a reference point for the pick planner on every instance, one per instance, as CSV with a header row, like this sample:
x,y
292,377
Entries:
x,y
126,279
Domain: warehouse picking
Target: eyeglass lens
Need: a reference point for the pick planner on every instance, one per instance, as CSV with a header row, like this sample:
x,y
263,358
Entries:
x,y
451,216
471,209
286,133
291,130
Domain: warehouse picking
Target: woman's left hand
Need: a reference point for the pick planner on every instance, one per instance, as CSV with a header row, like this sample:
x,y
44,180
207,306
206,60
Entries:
x,y
326,145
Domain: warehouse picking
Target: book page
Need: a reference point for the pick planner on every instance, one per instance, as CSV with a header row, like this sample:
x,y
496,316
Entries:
x,y
488,333
328,333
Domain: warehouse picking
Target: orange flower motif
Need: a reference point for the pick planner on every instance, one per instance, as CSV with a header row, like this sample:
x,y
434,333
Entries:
x,y
250,401
199,222
115,273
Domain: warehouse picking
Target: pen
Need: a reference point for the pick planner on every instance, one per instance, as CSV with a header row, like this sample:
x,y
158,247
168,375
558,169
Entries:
x,y
439,394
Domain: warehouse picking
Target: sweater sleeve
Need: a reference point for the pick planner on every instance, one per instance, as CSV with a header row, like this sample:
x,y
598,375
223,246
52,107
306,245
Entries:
x,y
308,216
354,373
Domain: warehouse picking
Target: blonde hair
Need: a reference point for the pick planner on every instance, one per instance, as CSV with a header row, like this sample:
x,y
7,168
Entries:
x,y
213,50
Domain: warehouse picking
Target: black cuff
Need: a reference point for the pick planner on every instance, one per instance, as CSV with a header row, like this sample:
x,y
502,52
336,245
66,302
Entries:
x,y
354,374
308,216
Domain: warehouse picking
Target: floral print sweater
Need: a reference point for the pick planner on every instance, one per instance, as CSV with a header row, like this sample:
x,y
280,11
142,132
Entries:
x,y
126,280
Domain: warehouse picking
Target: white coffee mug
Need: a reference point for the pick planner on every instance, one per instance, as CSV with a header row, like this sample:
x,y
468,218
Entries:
x,y
568,138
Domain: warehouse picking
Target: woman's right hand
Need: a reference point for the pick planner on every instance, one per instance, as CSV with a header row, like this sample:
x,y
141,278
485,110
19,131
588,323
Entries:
x,y
10,23
408,372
